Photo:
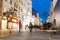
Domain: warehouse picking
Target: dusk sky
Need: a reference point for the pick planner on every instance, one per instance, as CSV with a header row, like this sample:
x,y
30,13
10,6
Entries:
x,y
42,6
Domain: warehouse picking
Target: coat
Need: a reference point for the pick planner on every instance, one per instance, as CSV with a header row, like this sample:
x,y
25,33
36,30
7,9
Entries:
x,y
20,23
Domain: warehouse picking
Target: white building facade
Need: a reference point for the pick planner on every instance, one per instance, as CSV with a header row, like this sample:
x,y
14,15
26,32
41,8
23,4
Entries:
x,y
8,6
51,13
25,12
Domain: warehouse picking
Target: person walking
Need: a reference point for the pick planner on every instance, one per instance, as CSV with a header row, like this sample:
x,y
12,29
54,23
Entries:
x,y
30,27
20,25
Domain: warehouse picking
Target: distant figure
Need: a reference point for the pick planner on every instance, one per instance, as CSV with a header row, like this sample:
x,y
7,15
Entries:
x,y
20,25
30,27
41,27
48,25
26,26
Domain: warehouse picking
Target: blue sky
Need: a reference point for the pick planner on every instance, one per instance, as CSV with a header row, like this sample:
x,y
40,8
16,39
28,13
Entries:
x,y
42,6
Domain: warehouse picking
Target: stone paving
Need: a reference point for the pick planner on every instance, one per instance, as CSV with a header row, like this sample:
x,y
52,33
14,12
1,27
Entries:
x,y
35,35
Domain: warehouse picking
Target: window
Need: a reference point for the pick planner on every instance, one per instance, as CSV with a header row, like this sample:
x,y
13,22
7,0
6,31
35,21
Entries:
x,y
21,2
19,8
15,14
5,0
16,5
28,3
10,1
28,9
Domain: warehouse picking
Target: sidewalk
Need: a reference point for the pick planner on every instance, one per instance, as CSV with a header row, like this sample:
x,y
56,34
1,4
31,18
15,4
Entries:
x,y
5,33
50,30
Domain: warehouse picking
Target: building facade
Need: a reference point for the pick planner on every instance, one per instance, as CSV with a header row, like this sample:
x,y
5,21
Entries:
x,y
25,11
9,11
0,12
57,11
38,19
53,4
52,16
5,6
35,17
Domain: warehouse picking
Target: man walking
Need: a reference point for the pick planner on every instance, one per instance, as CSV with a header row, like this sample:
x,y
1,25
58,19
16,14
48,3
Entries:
x,y
30,27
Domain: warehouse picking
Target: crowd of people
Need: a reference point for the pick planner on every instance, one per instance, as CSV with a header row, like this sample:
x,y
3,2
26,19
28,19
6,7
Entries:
x,y
45,26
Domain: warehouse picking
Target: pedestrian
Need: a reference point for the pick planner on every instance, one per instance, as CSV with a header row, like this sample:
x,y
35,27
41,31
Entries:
x,y
30,27
26,26
48,25
20,25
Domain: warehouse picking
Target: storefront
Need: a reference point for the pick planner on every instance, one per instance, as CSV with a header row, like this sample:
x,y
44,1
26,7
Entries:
x,y
15,23
4,23
12,22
